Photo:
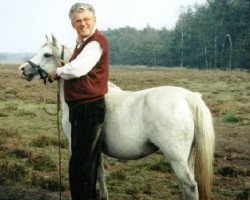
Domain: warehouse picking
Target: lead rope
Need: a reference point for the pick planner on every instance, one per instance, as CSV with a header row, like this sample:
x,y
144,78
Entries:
x,y
60,63
59,140
44,104
59,60
58,133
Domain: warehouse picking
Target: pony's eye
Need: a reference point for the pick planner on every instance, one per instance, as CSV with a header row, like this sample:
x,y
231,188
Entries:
x,y
47,55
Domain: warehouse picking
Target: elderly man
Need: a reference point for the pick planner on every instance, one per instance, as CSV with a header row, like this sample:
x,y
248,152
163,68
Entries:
x,y
85,84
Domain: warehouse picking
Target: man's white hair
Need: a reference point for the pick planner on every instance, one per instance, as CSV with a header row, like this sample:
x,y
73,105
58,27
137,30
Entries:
x,y
80,7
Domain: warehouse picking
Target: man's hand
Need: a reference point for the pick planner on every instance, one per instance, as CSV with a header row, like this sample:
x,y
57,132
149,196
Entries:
x,y
53,76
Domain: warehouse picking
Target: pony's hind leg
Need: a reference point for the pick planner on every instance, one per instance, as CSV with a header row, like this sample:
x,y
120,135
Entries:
x,y
186,177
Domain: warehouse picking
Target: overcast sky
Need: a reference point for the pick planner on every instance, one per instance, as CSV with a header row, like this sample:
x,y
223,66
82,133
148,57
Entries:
x,y
24,23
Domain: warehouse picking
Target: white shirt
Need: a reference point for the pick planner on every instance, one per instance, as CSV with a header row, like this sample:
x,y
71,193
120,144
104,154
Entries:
x,y
83,63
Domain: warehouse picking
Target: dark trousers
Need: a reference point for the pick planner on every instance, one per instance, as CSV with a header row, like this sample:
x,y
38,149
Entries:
x,y
86,136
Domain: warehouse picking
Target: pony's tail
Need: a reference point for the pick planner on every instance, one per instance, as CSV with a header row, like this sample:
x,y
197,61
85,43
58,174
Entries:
x,y
201,157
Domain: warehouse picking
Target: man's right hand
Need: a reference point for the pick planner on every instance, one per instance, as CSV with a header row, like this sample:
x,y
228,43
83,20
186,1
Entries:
x,y
53,76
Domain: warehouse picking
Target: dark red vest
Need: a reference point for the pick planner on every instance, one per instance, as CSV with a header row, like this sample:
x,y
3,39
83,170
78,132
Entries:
x,y
93,85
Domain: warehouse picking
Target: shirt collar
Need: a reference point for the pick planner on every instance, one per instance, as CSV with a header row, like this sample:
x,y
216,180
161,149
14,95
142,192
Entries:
x,y
81,40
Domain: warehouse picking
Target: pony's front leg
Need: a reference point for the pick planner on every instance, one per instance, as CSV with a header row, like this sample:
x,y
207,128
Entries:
x,y
66,124
102,179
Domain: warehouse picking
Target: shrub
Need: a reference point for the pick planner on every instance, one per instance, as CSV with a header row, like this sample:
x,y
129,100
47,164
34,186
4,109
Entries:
x,y
51,183
11,172
42,163
23,113
2,114
161,166
19,153
233,172
4,132
244,194
118,175
231,117
45,140
11,107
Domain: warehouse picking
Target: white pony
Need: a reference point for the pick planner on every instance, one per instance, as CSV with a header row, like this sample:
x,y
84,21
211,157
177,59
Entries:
x,y
171,119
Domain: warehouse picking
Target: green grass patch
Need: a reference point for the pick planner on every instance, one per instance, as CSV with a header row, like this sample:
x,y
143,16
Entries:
x,y
4,132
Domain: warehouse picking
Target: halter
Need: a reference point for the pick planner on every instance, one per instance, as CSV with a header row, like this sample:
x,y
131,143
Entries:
x,y
43,74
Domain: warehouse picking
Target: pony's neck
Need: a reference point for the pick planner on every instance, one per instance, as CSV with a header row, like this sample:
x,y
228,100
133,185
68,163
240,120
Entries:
x,y
67,53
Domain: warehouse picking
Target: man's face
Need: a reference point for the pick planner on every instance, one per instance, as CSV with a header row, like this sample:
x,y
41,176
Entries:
x,y
84,23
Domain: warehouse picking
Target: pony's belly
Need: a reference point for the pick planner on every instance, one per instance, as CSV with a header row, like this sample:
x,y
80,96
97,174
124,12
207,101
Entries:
x,y
127,150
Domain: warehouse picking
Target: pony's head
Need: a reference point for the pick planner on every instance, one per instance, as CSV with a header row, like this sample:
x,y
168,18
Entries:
x,y
48,57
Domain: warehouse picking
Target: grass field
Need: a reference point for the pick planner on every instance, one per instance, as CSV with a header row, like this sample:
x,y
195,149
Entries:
x,y
29,146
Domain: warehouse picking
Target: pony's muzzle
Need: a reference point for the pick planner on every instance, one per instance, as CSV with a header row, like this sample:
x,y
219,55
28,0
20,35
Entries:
x,y
22,72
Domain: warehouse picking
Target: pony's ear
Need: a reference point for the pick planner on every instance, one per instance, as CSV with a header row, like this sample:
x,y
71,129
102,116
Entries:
x,y
54,40
47,37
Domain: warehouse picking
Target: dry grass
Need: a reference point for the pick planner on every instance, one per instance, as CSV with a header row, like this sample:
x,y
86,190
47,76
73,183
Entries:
x,y
28,144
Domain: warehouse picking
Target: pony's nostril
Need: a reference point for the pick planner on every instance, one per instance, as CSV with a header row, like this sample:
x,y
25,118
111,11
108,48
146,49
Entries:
x,y
22,69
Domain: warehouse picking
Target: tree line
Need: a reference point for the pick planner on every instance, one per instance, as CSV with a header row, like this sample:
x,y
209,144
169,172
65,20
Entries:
x,y
213,35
